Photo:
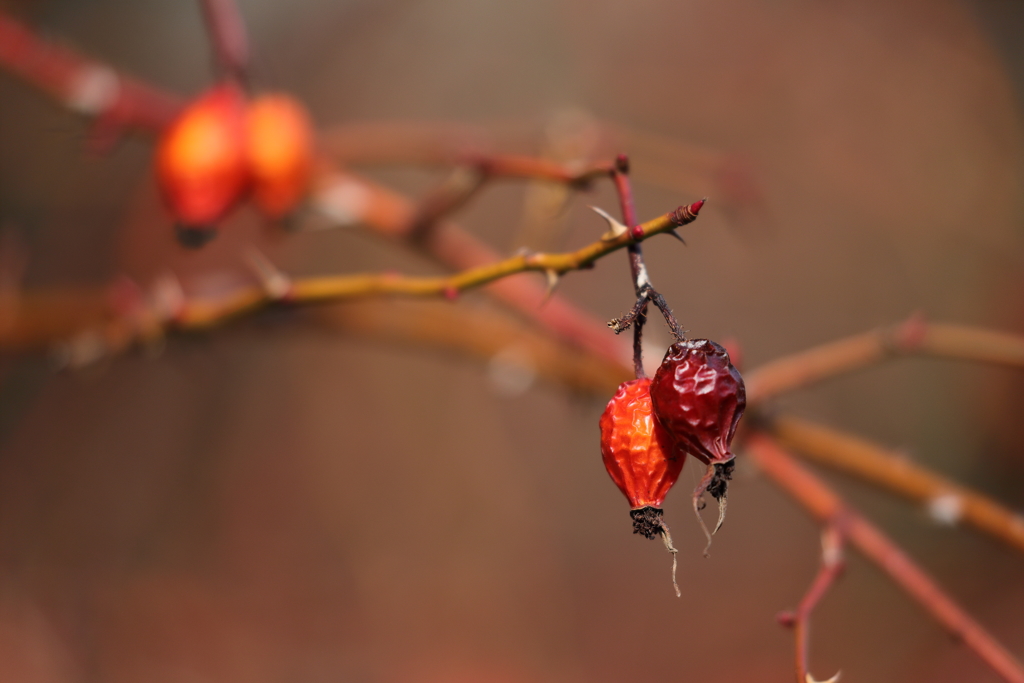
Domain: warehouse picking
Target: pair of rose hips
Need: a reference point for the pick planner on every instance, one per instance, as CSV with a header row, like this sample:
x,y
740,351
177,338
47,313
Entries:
x,y
692,406
223,146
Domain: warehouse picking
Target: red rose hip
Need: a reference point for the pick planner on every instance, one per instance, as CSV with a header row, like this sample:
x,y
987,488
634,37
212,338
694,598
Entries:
x,y
641,458
699,398
200,161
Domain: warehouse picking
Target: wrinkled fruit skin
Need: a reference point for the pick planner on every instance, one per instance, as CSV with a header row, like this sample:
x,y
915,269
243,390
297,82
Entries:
x,y
200,159
637,451
699,397
279,152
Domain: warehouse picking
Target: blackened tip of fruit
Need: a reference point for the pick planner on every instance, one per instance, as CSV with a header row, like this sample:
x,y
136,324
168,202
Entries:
x,y
194,236
647,521
719,486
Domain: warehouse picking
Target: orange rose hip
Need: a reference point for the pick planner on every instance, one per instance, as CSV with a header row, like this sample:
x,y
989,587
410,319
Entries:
x,y
200,158
639,454
279,150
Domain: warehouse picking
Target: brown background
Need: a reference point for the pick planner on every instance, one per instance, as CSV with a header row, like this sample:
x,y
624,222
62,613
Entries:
x,y
280,502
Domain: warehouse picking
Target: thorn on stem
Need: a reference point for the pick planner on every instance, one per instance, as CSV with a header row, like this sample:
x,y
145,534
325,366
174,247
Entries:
x,y
677,236
615,228
552,278
276,284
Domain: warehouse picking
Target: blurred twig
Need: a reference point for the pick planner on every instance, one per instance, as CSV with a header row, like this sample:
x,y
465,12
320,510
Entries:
x,y
799,620
827,507
873,463
84,85
915,336
144,322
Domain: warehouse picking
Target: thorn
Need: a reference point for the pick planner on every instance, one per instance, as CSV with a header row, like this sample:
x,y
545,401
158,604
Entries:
x,y
808,678
615,228
677,236
276,284
168,296
552,277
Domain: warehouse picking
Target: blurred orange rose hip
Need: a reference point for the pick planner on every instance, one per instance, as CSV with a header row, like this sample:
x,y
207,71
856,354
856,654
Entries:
x,y
200,158
279,152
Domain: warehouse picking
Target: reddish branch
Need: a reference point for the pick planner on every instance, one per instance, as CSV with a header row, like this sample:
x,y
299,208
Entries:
x,y
475,171
832,566
228,37
84,85
914,336
877,465
827,507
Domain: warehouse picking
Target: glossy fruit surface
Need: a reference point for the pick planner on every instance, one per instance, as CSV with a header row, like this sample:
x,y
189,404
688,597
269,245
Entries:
x,y
279,150
699,397
637,451
200,159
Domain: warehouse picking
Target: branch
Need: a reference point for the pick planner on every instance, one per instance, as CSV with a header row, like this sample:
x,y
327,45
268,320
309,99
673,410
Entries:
x,y
474,171
477,331
348,200
826,506
873,463
832,566
177,312
227,37
913,336
83,85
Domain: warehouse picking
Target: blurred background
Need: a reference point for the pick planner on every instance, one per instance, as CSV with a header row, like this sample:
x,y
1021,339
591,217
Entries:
x,y
285,499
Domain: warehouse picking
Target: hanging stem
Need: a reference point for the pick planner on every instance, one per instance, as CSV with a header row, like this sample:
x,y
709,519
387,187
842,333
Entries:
x,y
645,291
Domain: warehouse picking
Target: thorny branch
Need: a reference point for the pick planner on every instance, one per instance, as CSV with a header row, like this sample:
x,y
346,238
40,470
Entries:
x,y
182,314
825,505
645,291
832,565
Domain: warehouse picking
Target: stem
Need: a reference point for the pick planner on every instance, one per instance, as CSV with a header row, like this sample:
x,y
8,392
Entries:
x,y
645,291
823,503
913,336
831,569
200,313
875,464
228,37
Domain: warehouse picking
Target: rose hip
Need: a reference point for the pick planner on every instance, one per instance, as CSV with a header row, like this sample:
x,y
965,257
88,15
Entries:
x,y
699,397
641,458
200,159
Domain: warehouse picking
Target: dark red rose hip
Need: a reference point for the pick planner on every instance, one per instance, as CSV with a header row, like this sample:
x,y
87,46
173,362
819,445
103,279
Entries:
x,y
699,397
